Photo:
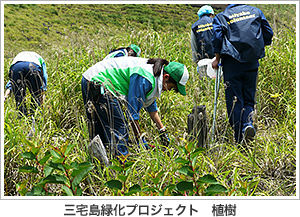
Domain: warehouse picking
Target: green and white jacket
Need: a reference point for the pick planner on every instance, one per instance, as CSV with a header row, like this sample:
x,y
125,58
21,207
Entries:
x,y
115,73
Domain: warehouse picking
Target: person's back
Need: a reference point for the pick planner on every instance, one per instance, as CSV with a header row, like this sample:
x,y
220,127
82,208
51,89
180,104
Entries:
x,y
115,73
120,52
201,35
132,50
28,56
246,33
27,71
240,35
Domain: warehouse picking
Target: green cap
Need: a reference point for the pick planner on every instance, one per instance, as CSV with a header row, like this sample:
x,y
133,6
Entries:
x,y
179,73
136,49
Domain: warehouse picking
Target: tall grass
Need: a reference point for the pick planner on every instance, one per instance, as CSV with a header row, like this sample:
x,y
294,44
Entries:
x,y
267,168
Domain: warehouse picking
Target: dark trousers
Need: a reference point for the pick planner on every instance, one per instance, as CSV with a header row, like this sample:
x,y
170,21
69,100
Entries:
x,y
26,75
105,117
240,88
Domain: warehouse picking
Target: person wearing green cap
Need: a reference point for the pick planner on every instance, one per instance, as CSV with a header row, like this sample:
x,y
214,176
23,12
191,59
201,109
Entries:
x,y
140,82
131,51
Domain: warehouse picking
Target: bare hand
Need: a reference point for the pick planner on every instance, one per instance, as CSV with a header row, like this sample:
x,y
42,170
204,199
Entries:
x,y
215,64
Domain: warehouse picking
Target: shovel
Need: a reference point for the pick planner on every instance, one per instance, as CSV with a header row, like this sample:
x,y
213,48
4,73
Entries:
x,y
217,87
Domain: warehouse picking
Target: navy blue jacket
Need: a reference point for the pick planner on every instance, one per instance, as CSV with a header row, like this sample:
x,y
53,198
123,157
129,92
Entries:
x,y
202,30
242,32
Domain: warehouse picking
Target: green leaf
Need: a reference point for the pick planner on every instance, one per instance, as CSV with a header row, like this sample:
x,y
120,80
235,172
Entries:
x,y
134,189
67,190
128,164
55,154
45,158
78,192
116,168
160,174
156,180
122,178
182,149
115,162
114,184
35,150
209,179
81,167
74,164
197,152
55,178
186,170
58,160
170,187
83,164
37,191
215,189
189,147
83,171
147,189
181,160
48,170
69,148
57,166
28,155
184,186
67,167
243,190
21,188
28,169
194,162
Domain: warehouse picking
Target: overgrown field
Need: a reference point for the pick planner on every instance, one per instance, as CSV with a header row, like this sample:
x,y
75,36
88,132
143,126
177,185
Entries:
x,y
71,38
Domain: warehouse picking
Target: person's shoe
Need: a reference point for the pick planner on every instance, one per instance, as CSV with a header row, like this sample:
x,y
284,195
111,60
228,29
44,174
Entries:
x,y
249,132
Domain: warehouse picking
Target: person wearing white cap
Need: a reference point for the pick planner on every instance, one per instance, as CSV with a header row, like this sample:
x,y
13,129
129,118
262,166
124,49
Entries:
x,y
140,81
201,34
132,51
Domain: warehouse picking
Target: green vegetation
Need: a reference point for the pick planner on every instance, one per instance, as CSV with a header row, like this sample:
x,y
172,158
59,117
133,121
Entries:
x,y
73,37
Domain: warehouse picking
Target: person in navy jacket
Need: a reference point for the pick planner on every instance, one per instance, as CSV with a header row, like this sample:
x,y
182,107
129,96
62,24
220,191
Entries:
x,y
240,34
201,34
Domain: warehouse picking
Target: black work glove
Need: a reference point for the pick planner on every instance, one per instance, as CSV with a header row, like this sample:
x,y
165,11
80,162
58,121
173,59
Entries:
x,y
164,138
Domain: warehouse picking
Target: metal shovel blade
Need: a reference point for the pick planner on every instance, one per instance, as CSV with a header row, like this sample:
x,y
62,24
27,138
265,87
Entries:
x,y
217,87
97,149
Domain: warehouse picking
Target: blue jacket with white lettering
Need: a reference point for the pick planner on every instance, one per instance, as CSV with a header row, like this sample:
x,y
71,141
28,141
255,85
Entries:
x,y
242,32
201,38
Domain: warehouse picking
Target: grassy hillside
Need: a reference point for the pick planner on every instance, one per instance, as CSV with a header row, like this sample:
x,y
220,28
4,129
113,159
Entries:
x,y
71,38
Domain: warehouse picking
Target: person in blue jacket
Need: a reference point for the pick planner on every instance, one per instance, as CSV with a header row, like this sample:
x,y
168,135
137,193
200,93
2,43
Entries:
x,y
201,34
130,51
27,71
240,34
